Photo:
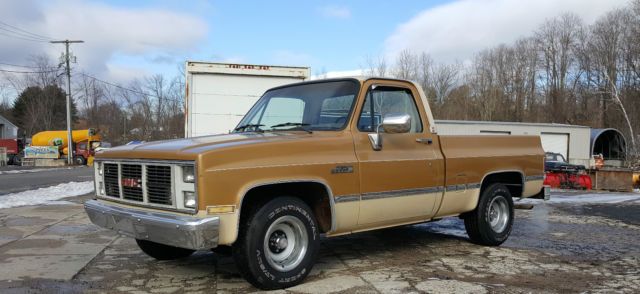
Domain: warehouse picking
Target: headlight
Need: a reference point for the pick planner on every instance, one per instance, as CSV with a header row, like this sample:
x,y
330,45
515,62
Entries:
x,y
189,199
102,192
99,167
188,174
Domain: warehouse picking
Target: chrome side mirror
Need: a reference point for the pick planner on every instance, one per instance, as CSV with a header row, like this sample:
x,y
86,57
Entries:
x,y
396,123
391,123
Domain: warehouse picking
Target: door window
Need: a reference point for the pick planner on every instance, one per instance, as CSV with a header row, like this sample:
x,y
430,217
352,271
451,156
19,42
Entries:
x,y
388,100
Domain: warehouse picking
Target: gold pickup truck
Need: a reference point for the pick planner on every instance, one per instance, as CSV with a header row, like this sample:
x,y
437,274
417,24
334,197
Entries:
x,y
328,157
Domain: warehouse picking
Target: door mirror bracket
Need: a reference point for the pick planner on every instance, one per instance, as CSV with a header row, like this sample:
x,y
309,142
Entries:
x,y
393,124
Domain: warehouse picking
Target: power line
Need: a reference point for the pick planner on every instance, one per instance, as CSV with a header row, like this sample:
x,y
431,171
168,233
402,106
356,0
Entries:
x,y
27,72
130,90
25,32
26,39
26,66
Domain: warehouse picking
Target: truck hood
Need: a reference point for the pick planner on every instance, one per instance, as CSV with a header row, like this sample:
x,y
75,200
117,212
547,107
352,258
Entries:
x,y
190,148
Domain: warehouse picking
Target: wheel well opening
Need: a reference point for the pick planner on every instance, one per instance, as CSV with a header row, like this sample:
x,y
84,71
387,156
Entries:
x,y
512,180
313,194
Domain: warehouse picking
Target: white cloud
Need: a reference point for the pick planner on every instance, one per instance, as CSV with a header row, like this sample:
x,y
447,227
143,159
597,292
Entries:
x,y
109,32
124,74
457,30
335,12
339,74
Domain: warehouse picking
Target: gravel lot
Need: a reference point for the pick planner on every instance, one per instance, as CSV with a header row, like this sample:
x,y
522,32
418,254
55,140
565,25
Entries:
x,y
557,246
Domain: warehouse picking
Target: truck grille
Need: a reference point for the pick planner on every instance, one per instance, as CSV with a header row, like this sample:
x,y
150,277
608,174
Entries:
x,y
146,184
131,181
159,184
111,180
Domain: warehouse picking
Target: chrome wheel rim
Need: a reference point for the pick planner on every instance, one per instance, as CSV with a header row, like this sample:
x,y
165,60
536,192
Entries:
x,y
285,243
498,214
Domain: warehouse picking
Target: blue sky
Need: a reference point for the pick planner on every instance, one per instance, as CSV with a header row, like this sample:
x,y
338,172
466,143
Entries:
x,y
126,40
331,36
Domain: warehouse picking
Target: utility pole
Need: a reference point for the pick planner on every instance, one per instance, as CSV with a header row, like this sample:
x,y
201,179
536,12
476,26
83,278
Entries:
x,y
69,137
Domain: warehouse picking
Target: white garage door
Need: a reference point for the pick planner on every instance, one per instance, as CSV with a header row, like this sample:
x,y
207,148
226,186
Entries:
x,y
556,143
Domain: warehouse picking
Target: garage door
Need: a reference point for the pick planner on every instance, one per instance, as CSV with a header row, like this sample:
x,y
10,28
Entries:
x,y
556,143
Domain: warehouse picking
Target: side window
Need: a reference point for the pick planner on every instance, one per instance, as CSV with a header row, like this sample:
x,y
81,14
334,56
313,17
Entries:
x,y
388,100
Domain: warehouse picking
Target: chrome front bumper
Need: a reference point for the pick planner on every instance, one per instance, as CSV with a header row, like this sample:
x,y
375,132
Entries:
x,y
164,228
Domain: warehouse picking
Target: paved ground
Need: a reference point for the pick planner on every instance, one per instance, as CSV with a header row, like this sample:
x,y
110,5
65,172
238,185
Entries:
x,y
572,248
17,179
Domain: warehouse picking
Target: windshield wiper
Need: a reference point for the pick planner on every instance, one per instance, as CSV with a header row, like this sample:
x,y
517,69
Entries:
x,y
256,127
293,124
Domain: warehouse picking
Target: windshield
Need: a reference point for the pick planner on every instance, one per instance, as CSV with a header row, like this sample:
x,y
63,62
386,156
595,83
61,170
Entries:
x,y
321,106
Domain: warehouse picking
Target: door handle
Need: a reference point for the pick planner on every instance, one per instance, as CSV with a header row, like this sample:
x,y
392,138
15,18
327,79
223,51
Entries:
x,y
425,141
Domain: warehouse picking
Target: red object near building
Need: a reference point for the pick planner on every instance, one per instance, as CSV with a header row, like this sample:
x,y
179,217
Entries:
x,y
11,144
567,180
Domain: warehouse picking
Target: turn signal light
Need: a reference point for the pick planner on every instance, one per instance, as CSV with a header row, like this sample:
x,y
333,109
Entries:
x,y
221,209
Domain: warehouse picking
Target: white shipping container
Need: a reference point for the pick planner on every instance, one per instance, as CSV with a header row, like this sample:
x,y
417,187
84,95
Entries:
x,y
569,140
218,95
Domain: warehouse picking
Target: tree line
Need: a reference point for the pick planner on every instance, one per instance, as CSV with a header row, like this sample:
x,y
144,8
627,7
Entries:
x,y
146,109
565,72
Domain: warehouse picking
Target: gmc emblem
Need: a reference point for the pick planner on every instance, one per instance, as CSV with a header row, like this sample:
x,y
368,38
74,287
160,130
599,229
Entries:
x,y
133,183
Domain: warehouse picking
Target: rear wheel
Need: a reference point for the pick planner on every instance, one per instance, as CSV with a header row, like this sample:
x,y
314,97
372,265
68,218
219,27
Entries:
x,y
278,244
161,251
491,222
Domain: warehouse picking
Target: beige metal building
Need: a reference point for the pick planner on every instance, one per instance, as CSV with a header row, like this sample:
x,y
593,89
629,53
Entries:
x,y
573,142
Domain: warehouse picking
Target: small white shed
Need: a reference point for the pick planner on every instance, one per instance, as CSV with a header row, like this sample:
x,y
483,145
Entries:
x,y
573,142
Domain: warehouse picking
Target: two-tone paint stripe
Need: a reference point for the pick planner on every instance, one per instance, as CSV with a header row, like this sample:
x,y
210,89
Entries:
x,y
417,191
347,198
462,187
534,178
388,194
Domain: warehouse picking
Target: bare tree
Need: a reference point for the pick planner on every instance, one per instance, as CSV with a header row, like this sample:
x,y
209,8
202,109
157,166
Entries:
x,y
377,67
91,94
406,66
556,39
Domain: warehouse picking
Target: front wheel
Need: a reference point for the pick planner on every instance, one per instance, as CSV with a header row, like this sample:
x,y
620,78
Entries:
x,y
491,222
278,244
79,160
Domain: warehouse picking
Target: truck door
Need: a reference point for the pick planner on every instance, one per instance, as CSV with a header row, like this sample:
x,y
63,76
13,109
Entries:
x,y
401,182
82,149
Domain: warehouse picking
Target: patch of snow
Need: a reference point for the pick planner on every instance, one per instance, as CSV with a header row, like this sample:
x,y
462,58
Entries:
x,y
590,198
35,170
47,196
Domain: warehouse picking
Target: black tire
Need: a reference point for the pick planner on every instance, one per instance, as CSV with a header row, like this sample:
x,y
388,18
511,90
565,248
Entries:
x,y
161,251
261,255
16,159
79,160
491,222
